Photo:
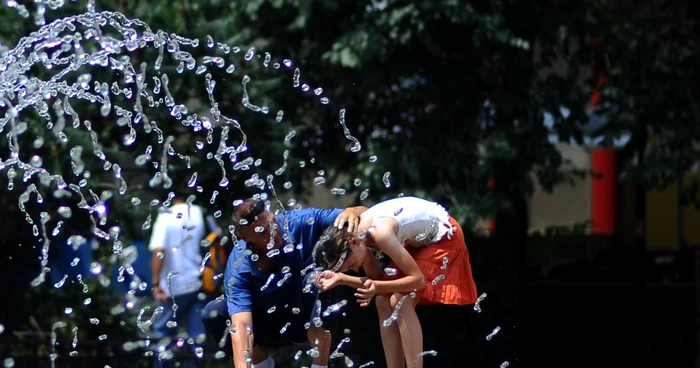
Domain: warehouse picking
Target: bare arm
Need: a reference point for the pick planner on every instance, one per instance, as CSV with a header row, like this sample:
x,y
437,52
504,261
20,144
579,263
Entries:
x,y
242,339
157,265
372,268
352,281
386,240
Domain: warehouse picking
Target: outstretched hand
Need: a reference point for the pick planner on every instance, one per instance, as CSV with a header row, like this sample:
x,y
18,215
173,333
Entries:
x,y
364,295
327,280
350,217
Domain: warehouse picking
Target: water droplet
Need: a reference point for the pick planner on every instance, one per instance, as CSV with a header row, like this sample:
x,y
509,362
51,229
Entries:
x,y
364,194
280,116
429,352
9,362
480,299
373,158
36,161
386,179
249,54
493,333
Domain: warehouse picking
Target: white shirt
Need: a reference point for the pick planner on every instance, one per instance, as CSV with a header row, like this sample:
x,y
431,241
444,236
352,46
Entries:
x,y
178,231
421,222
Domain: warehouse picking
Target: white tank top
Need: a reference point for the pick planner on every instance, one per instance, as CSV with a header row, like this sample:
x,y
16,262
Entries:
x,y
421,222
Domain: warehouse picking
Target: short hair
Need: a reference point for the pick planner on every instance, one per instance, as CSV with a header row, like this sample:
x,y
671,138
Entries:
x,y
331,246
249,211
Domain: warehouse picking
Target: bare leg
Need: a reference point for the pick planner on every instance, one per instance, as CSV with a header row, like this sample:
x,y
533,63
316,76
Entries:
x,y
410,329
321,339
391,338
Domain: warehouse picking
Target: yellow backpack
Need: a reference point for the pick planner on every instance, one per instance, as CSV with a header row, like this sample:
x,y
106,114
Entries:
x,y
213,274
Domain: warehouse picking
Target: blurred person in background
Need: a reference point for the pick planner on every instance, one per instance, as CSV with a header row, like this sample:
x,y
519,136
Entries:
x,y
175,243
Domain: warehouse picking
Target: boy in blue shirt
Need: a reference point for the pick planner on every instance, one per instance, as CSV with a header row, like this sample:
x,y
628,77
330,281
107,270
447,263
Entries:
x,y
271,297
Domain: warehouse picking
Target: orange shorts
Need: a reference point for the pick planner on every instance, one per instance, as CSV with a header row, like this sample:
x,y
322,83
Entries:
x,y
450,283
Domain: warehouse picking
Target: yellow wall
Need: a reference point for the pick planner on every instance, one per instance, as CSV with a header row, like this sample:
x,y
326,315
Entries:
x,y
662,218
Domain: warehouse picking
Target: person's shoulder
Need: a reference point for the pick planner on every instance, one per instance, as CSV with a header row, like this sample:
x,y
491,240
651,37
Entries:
x,y
307,215
238,252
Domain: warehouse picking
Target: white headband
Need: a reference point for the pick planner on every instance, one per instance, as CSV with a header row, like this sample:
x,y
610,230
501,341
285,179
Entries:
x,y
340,262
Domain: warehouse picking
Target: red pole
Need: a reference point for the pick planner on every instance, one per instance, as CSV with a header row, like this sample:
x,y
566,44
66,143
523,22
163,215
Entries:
x,y
604,191
600,73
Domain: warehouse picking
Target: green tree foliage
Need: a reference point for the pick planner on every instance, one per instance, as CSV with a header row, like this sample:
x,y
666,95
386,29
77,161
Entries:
x,y
444,94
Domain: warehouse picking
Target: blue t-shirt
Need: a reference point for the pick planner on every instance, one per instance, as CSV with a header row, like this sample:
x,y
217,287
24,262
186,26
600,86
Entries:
x,y
247,287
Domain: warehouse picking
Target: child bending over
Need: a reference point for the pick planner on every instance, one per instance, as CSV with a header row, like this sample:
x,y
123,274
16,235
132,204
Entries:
x,y
430,265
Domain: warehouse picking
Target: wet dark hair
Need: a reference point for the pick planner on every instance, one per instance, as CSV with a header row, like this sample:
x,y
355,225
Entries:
x,y
249,211
331,246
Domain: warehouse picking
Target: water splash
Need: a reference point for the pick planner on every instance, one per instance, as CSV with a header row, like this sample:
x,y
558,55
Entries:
x,y
395,314
101,40
145,324
477,306
493,333
54,337
169,278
